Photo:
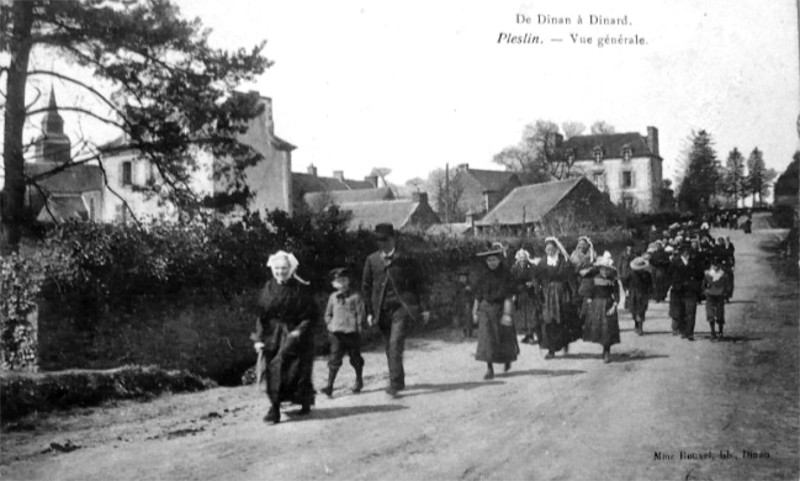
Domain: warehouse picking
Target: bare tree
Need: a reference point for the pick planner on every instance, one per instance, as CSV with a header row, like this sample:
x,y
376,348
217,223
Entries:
x,y
601,127
571,129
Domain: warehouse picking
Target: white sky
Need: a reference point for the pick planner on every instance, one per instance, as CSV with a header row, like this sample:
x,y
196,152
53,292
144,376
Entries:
x,y
413,85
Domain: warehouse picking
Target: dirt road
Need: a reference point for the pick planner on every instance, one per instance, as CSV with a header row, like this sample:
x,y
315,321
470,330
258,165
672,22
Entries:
x,y
568,418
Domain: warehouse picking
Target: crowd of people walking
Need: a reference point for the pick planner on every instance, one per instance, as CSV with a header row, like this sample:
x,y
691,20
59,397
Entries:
x,y
551,300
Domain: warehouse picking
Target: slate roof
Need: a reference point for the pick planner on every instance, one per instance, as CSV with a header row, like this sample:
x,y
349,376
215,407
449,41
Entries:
x,y
612,145
349,196
74,179
305,183
534,200
491,180
367,215
62,208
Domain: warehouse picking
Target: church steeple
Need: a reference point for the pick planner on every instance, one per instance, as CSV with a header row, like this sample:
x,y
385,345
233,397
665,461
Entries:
x,y
53,145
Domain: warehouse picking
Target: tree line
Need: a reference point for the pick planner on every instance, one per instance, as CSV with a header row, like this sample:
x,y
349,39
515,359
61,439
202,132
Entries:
x,y
707,182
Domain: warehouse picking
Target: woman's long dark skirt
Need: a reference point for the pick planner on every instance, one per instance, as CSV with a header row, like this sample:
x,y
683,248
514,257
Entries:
x,y
496,343
288,363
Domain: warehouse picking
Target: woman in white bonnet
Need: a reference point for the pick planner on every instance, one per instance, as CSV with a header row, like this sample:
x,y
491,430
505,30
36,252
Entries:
x,y
284,336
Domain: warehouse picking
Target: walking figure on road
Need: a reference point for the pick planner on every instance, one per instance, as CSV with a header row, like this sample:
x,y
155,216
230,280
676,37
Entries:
x,y
463,299
640,288
493,311
715,287
391,280
601,325
345,317
528,304
559,317
686,277
284,337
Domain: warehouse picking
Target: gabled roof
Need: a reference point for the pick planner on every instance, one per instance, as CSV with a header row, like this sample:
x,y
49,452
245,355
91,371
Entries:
x,y
305,183
74,179
348,196
531,201
62,208
612,144
491,180
281,144
367,215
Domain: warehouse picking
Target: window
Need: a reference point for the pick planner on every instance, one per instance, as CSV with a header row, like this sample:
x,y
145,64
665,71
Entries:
x,y
627,203
127,173
627,179
626,154
121,214
599,179
598,154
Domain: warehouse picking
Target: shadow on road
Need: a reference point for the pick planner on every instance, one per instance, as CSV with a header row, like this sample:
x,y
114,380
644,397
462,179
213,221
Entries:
x,y
542,372
618,356
341,412
427,388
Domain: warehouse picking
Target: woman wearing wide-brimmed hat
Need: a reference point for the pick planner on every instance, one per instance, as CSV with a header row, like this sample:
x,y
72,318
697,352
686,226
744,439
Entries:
x,y
601,325
560,325
493,311
659,261
284,336
640,288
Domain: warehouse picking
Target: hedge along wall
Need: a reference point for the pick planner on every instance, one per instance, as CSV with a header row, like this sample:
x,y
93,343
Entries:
x,y
183,296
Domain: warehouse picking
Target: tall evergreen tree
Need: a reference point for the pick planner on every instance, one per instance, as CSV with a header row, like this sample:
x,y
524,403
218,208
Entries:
x,y
733,176
171,90
759,177
701,175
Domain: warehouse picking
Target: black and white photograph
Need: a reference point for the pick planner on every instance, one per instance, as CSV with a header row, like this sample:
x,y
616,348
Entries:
x,y
384,240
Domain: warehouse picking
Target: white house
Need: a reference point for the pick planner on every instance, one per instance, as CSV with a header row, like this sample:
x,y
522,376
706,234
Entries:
x,y
627,166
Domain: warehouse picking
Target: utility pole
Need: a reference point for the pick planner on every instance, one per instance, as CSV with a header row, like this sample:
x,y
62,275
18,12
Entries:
x,y
447,193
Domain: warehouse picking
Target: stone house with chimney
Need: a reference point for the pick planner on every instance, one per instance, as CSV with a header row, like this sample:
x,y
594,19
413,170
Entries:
x,y
626,166
406,215
483,189
551,208
313,191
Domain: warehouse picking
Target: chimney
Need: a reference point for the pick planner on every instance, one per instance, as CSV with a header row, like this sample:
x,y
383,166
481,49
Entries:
x,y
470,218
462,167
554,140
652,140
338,175
312,170
421,197
372,180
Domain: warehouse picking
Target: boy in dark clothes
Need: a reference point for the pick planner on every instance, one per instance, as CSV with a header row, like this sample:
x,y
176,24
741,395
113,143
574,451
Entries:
x,y
345,317
640,288
715,287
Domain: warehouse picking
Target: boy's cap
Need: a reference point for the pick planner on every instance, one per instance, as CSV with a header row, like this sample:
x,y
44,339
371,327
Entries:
x,y
340,272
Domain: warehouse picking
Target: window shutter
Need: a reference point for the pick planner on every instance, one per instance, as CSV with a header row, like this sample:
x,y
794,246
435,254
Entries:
x,y
622,179
122,174
633,178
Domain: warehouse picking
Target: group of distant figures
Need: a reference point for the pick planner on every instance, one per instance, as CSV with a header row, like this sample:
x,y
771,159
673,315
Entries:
x,y
553,300
559,297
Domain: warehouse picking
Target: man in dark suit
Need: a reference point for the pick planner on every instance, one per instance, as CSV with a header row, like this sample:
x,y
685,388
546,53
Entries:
x,y
686,279
392,287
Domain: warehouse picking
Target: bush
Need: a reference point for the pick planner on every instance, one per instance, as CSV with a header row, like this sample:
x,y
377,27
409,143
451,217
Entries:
x,y
90,270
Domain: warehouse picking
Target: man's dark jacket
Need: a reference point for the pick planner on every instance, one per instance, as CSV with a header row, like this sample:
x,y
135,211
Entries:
x,y
405,274
687,279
